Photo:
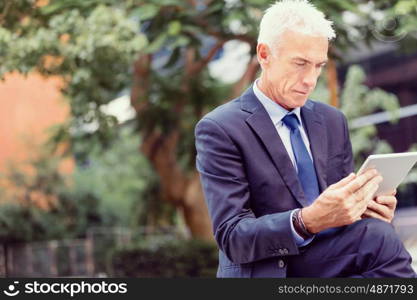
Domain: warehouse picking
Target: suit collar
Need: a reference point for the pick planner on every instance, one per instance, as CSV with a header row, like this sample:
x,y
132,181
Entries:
x,y
249,102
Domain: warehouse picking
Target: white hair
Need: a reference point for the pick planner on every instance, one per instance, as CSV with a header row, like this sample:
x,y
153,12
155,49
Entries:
x,y
296,15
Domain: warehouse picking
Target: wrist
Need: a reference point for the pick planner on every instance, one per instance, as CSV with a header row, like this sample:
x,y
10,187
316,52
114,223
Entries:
x,y
299,225
307,216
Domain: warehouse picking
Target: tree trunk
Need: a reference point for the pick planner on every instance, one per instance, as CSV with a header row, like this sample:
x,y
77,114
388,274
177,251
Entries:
x,y
176,188
195,210
183,191
179,189
247,78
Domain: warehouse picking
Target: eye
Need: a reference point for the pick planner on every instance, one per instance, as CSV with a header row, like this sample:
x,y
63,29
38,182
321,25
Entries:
x,y
300,63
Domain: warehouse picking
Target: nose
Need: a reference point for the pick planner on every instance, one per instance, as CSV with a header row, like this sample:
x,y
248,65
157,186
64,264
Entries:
x,y
310,77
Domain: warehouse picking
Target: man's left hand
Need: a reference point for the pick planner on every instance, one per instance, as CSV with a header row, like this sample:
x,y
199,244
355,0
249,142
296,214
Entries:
x,y
382,207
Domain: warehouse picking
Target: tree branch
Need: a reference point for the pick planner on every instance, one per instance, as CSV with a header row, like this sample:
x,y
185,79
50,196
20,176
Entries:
x,y
198,66
140,86
248,77
160,149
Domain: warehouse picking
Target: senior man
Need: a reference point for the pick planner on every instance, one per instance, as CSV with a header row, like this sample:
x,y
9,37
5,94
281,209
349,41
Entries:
x,y
276,169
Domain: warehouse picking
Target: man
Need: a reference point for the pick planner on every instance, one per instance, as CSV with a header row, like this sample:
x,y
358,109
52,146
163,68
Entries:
x,y
276,169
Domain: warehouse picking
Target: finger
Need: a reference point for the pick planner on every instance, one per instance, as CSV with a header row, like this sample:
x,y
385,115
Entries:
x,y
343,181
371,214
382,210
372,186
360,180
365,216
359,209
361,205
390,201
367,192
389,193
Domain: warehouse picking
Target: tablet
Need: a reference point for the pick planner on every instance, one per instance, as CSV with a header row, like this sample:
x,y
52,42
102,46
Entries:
x,y
392,167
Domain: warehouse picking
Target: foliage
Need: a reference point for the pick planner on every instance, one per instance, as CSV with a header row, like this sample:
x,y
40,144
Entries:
x,y
91,52
117,175
102,192
357,100
406,11
172,259
123,181
27,223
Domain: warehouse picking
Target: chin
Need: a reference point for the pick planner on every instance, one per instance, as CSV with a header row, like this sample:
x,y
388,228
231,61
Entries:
x,y
298,102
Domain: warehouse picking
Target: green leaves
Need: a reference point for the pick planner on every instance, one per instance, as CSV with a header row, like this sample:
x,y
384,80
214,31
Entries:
x,y
406,7
107,189
156,44
366,101
174,27
173,30
92,51
357,100
145,12
117,176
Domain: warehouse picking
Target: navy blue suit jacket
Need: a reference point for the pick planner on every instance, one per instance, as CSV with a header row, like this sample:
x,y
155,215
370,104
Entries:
x,y
251,186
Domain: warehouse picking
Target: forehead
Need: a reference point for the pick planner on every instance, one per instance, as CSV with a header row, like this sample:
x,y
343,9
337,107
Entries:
x,y
294,44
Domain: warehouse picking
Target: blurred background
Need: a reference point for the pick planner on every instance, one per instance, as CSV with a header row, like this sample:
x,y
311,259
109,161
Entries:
x,y
98,103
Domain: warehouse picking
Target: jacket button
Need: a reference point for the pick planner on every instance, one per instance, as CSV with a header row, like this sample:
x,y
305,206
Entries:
x,y
281,264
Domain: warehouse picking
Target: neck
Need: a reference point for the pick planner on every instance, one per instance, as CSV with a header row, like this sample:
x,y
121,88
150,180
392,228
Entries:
x,y
265,88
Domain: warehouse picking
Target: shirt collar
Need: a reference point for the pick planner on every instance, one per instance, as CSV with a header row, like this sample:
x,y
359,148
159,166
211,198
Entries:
x,y
275,111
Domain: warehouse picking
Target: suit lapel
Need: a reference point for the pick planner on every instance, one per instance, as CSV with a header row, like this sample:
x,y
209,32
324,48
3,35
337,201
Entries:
x,y
317,136
262,125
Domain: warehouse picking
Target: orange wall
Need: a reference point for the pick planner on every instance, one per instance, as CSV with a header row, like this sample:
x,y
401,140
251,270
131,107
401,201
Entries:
x,y
28,106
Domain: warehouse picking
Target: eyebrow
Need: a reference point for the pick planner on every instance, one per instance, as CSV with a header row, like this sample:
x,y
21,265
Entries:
x,y
307,61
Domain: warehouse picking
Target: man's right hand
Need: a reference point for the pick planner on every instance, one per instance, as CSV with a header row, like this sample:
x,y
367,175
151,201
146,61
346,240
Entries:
x,y
341,203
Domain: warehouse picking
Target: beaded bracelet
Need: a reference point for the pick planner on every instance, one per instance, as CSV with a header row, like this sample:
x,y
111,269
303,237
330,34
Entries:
x,y
299,225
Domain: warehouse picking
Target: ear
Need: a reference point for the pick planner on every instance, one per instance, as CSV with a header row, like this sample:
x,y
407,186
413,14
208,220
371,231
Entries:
x,y
263,54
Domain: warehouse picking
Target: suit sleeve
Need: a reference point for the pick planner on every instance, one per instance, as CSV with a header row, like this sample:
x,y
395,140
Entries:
x,y
239,234
348,163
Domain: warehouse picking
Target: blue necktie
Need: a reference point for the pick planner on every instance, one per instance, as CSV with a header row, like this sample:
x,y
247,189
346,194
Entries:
x,y
306,172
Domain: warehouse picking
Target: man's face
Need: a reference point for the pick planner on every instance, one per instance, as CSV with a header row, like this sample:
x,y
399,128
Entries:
x,y
290,72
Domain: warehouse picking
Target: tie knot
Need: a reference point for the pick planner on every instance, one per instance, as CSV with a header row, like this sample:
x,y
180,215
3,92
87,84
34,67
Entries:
x,y
291,121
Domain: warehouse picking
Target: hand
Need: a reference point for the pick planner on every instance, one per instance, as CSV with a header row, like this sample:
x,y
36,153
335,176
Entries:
x,y
382,207
342,203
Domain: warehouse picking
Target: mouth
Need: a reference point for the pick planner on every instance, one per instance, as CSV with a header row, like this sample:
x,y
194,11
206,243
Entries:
x,y
301,93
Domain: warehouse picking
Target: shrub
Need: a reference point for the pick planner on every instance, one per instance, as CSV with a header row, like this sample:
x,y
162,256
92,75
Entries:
x,y
178,258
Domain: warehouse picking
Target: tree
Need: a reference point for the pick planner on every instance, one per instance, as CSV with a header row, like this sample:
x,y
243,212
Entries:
x,y
92,44
46,204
